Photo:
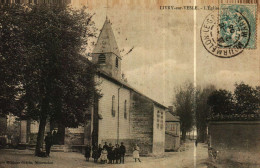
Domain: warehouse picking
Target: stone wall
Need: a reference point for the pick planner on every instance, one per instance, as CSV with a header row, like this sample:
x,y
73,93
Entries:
x,y
141,120
74,136
238,141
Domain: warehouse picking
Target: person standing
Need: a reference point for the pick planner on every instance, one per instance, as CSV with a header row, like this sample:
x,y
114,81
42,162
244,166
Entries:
x,y
95,153
103,156
136,153
122,153
113,155
117,154
48,144
99,150
196,142
109,153
87,152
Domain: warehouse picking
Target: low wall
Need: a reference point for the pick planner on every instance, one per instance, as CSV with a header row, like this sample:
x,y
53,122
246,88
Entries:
x,y
237,141
172,142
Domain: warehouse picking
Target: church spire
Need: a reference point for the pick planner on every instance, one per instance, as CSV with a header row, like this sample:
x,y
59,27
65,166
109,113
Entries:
x,y
106,42
106,52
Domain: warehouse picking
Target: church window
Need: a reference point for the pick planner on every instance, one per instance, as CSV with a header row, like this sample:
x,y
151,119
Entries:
x,y
125,110
116,62
158,119
113,106
101,59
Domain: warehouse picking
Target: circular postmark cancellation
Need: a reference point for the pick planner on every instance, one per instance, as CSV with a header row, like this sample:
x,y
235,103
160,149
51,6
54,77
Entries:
x,y
226,36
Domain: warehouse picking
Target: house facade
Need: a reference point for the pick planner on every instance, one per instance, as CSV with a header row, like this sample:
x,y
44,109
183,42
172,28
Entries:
x,y
172,131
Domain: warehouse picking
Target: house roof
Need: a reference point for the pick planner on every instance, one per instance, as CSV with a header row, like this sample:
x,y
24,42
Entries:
x,y
171,117
126,85
106,42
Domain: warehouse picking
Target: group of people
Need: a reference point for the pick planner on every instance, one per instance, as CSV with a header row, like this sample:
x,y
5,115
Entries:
x,y
110,154
107,154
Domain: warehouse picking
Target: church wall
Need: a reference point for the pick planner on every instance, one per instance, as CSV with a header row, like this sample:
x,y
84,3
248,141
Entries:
x,y
141,120
158,130
108,124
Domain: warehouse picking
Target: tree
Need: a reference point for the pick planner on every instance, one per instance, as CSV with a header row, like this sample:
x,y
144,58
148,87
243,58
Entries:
x,y
247,99
221,102
55,81
203,111
10,58
184,106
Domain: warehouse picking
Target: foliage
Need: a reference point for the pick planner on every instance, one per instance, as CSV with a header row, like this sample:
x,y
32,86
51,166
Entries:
x,y
247,99
203,111
221,102
244,100
41,50
184,106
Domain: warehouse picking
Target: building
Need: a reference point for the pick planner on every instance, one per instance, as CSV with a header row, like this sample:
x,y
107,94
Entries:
x,y
172,131
122,114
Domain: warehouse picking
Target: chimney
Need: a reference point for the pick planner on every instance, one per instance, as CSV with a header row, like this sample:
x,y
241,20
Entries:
x,y
170,109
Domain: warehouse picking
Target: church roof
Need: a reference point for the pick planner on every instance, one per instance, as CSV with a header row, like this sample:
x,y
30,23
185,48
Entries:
x,y
126,85
106,42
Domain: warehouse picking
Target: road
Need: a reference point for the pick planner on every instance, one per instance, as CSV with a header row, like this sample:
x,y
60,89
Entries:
x,y
191,157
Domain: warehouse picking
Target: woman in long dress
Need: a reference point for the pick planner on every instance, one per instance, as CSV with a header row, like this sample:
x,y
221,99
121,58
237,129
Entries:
x,y
136,153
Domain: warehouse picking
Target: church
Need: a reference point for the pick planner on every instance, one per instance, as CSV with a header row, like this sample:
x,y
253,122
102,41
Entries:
x,y
122,114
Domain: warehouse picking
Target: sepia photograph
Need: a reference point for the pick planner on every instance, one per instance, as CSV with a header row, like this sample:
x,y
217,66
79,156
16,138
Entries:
x,y
129,84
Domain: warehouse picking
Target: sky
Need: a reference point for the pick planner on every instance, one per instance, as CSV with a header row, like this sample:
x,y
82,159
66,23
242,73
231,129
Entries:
x,y
163,56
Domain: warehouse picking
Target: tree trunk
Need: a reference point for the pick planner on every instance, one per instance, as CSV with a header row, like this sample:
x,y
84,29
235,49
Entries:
x,y
43,120
183,135
40,135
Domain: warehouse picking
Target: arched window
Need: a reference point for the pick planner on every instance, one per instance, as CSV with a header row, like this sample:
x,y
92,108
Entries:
x,y
125,109
116,62
113,106
101,59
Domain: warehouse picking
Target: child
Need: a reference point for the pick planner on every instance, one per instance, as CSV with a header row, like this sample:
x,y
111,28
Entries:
x,y
136,153
103,156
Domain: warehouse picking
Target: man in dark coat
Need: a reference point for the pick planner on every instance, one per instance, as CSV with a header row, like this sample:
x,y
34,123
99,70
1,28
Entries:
x,y
117,153
48,144
122,153
99,150
109,153
87,152
95,153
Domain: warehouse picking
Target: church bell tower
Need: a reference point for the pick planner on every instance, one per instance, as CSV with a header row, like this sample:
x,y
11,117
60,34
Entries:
x,y
106,53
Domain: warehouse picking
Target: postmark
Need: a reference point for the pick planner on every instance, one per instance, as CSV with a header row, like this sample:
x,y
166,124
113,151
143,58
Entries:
x,y
217,43
227,32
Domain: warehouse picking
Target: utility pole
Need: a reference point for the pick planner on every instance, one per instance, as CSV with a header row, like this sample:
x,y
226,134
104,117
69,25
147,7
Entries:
x,y
118,97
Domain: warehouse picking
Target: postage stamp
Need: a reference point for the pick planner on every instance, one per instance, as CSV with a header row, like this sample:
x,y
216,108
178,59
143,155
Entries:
x,y
234,29
221,46
235,19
